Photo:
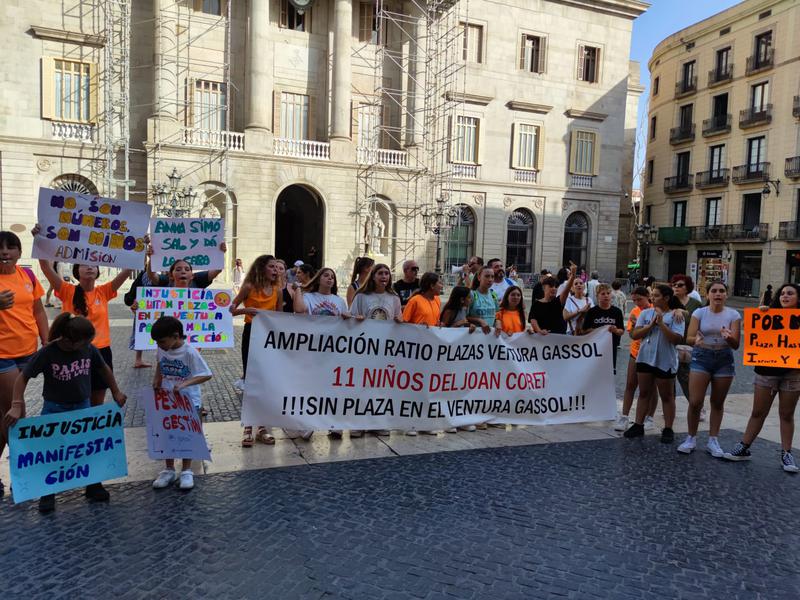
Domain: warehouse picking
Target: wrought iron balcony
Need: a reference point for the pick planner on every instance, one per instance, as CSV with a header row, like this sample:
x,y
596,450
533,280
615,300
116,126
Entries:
x,y
722,233
686,87
750,173
752,117
792,168
760,62
717,76
705,233
796,107
789,230
673,235
712,178
716,125
678,183
681,134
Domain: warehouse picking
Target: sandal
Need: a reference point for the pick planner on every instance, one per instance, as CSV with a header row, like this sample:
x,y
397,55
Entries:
x,y
247,438
265,438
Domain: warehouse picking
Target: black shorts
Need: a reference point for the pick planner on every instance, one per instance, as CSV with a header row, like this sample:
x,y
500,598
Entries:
x,y
659,374
98,383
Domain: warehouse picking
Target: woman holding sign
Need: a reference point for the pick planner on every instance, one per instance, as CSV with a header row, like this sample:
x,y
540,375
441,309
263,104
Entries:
x,y
23,321
769,381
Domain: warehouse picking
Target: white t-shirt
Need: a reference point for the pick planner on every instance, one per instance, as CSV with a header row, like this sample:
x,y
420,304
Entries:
x,y
181,364
329,305
500,288
573,304
383,307
696,295
710,324
591,289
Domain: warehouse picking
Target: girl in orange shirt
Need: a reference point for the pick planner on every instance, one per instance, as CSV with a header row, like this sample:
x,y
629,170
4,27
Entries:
x,y
261,290
511,316
425,306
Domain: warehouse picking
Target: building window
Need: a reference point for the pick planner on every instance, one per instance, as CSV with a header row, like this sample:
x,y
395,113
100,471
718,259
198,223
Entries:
x,y
679,214
532,53
763,48
519,241
209,105
588,64
69,92
461,238
72,182
211,7
722,62
650,170
526,146
576,239
751,211
368,24
685,117
713,212
472,43
368,121
656,83
756,153
291,18
720,109
584,154
294,116
465,141
716,161
759,94
688,70
653,127
682,164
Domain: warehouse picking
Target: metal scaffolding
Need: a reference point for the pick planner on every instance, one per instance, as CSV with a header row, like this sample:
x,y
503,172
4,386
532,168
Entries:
x,y
403,124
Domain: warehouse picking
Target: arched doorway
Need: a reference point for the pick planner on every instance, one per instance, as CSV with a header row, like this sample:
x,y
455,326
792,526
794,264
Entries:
x,y
576,239
519,240
299,221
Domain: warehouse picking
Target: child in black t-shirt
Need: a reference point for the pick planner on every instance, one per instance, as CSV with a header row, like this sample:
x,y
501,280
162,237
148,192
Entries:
x,y
605,315
67,362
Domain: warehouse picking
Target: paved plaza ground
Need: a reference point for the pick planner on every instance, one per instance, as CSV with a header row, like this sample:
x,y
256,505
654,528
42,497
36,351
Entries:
x,y
569,511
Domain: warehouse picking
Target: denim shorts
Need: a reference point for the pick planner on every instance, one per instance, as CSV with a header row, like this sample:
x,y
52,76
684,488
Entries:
x,y
717,363
50,408
9,364
787,382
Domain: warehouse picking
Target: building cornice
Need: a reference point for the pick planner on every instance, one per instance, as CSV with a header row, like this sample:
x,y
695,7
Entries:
x,y
72,37
469,98
628,9
542,109
574,113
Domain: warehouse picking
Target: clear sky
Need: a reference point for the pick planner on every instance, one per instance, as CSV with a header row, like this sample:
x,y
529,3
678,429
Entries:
x,y
663,18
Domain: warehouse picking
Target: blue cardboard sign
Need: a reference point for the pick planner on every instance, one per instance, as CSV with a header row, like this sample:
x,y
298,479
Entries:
x,y
58,452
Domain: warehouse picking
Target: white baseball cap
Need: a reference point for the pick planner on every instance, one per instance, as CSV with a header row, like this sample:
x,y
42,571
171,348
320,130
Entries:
x,y
298,263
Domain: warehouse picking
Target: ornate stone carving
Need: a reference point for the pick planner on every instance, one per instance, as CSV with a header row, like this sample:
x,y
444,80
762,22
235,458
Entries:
x,y
478,199
507,201
43,164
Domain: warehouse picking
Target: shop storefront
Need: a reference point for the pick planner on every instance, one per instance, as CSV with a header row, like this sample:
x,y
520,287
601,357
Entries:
x,y
748,274
793,266
709,267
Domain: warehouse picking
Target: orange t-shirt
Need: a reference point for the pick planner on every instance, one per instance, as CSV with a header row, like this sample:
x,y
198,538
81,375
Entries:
x,y
635,312
258,299
19,333
97,304
422,311
509,321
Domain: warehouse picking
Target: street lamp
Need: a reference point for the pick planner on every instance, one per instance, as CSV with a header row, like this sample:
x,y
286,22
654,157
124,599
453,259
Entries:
x,y
776,183
439,218
645,235
170,201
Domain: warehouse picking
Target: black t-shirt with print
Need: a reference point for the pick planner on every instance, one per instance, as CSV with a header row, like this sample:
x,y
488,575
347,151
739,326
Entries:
x,y
597,317
405,290
549,315
67,375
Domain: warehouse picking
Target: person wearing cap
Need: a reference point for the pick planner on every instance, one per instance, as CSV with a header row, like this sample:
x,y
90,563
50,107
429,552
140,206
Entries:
x,y
291,275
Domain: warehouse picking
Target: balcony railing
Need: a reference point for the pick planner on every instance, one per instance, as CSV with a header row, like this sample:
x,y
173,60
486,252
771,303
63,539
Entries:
x,y
716,125
581,181
79,132
678,183
302,149
462,171
681,133
789,230
720,75
673,235
750,173
686,87
722,233
792,168
796,107
759,62
381,156
712,178
523,176
213,138
751,117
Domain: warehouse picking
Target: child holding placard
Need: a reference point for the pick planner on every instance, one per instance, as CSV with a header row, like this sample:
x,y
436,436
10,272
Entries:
x,y
180,368
69,363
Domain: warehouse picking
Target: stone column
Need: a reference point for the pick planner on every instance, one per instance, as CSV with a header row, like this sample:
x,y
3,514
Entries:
x,y
164,63
415,106
258,122
342,71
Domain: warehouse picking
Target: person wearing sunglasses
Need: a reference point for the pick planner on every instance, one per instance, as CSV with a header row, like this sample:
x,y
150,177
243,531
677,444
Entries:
x,y
409,284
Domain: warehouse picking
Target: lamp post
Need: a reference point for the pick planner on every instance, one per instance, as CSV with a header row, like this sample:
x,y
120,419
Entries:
x,y
171,201
775,183
438,218
645,235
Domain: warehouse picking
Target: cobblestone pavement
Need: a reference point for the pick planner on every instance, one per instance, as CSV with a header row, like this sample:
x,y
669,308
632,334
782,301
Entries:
x,y
599,519
219,396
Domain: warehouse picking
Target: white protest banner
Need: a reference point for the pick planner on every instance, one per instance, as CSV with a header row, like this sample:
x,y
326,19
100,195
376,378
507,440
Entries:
x,y
325,373
174,429
90,230
197,241
207,320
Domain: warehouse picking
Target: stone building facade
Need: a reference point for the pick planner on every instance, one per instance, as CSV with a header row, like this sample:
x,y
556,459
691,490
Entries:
x,y
268,113
722,180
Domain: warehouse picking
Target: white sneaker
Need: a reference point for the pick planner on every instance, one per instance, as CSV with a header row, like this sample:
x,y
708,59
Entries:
x,y
238,385
451,430
411,433
688,445
788,462
164,479
713,448
649,424
622,422
187,480
433,432
468,428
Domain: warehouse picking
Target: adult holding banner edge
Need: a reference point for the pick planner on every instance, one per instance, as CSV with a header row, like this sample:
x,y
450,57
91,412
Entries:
x,y
769,382
22,320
